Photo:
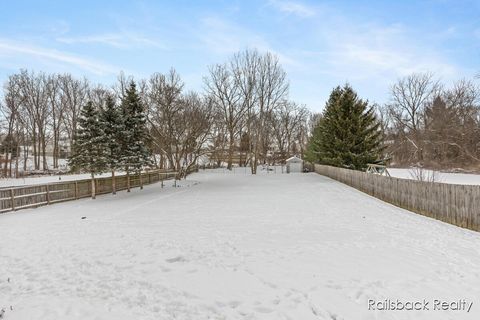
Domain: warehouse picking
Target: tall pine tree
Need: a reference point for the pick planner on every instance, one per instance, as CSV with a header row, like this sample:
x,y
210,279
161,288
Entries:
x,y
134,151
348,134
89,147
112,123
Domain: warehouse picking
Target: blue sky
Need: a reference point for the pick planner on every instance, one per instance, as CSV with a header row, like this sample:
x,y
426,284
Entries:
x,y
321,44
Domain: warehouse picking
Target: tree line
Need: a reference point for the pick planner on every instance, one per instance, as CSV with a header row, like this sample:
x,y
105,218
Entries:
x,y
423,124
244,116
428,124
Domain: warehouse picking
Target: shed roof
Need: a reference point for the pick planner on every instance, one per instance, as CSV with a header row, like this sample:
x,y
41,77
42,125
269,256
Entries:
x,y
294,159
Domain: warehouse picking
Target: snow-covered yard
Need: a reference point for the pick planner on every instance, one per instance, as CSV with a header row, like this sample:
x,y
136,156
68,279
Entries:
x,y
233,246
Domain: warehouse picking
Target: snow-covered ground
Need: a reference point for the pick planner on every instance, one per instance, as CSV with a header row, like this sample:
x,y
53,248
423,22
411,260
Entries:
x,y
62,163
233,246
444,177
10,182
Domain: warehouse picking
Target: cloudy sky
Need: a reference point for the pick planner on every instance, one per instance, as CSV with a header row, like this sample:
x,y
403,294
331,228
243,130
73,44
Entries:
x,y
321,44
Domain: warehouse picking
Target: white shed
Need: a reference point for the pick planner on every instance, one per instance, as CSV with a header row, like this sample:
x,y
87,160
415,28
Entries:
x,y
294,164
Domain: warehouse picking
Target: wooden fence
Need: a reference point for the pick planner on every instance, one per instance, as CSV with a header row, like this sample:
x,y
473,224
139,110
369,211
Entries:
x,y
22,197
455,204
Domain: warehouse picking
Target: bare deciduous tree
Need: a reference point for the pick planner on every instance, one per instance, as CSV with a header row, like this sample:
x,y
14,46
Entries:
x,y
74,96
288,122
464,100
226,93
11,113
180,123
34,90
409,96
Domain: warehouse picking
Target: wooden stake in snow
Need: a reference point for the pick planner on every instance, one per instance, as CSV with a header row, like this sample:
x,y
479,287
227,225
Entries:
x,y
114,187
128,181
93,187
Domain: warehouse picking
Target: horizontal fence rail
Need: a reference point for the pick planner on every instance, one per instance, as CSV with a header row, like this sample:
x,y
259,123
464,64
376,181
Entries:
x,y
31,196
456,204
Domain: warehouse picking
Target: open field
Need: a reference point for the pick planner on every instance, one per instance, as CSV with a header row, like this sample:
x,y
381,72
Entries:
x,y
444,177
233,246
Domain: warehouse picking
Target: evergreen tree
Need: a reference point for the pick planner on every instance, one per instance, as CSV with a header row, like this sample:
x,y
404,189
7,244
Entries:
x,y
89,147
134,151
113,127
348,134
311,152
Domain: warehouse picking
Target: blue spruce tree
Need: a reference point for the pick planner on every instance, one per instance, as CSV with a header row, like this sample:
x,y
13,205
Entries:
x,y
111,121
348,133
135,154
89,147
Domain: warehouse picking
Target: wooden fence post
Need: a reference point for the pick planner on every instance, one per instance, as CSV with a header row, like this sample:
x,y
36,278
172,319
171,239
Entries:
x,y
48,193
76,190
12,196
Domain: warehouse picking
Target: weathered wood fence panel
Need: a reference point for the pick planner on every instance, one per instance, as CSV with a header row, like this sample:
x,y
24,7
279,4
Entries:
x,y
452,203
22,197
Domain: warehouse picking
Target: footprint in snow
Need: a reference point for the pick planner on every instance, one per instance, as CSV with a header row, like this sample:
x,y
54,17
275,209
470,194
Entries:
x,y
263,309
176,259
234,304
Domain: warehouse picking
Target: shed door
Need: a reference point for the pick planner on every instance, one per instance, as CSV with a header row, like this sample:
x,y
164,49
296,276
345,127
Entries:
x,y
296,167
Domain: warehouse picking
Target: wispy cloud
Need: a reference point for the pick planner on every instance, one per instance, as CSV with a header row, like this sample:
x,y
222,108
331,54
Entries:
x,y
369,55
320,43
220,37
122,40
293,7
59,27
372,50
12,48
477,33
107,39
224,38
